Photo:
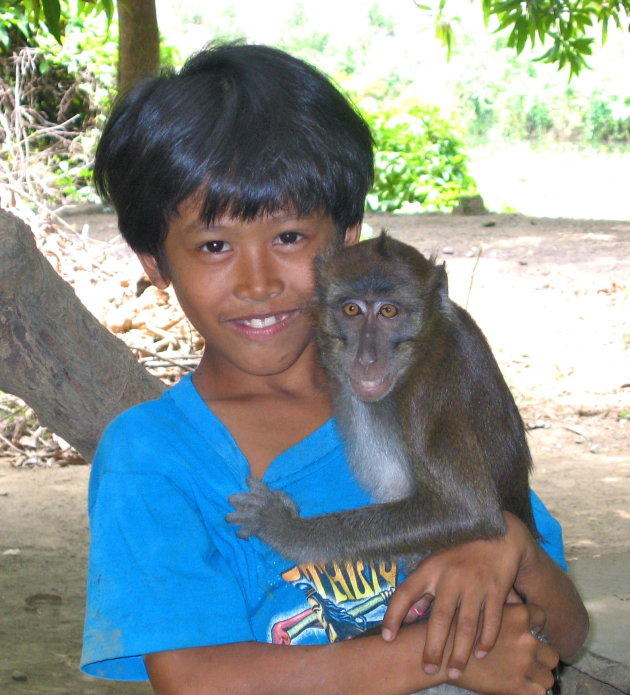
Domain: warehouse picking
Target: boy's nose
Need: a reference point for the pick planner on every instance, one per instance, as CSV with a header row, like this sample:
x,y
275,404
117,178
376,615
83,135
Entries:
x,y
257,280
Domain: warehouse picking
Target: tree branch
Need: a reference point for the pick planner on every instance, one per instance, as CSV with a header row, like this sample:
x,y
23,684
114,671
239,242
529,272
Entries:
x,y
54,354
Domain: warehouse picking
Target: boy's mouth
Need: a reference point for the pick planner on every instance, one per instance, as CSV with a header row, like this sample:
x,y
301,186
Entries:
x,y
263,327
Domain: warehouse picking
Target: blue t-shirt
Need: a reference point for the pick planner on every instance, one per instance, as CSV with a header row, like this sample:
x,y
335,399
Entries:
x,y
167,572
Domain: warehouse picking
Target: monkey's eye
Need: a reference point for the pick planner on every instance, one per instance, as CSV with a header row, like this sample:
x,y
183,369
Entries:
x,y
351,309
388,311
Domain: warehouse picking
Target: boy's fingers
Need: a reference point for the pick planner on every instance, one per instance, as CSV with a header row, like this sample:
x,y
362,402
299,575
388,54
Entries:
x,y
466,630
537,619
543,677
395,614
438,629
421,608
547,656
401,602
492,616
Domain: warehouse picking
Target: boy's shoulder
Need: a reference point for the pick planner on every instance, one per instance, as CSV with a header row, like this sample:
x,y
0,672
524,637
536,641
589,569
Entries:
x,y
155,413
174,422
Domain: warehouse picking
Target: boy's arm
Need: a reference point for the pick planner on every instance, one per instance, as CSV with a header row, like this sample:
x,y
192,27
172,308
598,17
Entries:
x,y
519,665
541,581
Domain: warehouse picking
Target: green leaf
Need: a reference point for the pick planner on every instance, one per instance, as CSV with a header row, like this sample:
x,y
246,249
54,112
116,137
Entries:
x,y
522,28
52,15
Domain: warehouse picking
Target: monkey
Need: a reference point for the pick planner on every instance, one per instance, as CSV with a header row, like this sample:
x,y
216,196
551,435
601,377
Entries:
x,y
430,426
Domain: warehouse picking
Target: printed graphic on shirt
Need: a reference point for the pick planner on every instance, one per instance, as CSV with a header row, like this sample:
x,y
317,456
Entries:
x,y
344,599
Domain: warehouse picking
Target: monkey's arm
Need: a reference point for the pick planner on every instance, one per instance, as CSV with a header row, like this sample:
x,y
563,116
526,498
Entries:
x,y
430,520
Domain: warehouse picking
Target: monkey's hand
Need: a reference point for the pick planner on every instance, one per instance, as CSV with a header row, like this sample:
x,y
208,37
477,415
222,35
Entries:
x,y
262,512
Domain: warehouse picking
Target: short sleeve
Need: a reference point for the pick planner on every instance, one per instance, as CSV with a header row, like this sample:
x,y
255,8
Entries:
x,y
550,531
156,581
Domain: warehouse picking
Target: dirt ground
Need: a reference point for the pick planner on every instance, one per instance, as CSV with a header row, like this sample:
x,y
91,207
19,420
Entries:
x,y
552,295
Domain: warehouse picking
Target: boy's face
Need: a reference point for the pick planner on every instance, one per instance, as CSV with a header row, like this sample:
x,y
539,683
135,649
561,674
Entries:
x,y
246,286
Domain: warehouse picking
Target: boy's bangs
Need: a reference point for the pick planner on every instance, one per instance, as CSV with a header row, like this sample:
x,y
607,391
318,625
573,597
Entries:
x,y
264,190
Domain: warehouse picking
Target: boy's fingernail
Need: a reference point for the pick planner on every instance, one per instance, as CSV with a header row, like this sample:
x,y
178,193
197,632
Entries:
x,y
386,634
431,669
480,653
454,673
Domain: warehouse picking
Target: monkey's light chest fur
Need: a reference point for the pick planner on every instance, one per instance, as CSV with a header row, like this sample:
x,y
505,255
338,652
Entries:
x,y
384,471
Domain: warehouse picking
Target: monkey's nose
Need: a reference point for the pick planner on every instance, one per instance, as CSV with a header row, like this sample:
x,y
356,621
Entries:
x,y
367,351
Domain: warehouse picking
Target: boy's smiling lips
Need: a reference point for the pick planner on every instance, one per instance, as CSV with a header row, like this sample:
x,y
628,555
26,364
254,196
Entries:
x,y
262,326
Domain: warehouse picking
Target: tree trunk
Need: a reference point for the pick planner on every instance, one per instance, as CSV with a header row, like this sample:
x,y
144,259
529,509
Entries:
x,y
54,354
138,42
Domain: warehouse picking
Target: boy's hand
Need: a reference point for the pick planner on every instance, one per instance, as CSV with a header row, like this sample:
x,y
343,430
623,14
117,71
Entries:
x,y
469,586
519,664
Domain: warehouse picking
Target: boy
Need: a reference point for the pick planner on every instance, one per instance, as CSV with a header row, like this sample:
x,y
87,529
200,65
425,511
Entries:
x,y
229,179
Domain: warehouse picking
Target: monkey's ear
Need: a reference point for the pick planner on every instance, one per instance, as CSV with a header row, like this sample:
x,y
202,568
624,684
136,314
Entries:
x,y
352,236
152,269
441,278
383,244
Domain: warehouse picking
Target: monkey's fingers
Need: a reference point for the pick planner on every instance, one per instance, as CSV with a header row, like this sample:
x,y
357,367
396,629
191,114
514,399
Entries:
x,y
256,485
260,511
243,521
247,513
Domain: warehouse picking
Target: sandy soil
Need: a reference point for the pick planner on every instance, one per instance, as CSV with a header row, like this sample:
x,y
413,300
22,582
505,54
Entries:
x,y
553,298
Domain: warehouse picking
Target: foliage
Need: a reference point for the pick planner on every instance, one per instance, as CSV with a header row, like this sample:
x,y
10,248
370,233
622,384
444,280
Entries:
x,y
607,121
54,15
419,160
52,96
567,24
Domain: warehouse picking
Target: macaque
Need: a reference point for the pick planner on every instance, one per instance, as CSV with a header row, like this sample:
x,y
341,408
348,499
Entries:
x,y
430,427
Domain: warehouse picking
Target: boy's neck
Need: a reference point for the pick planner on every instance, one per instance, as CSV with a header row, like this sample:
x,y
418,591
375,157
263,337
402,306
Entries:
x,y
218,380
266,415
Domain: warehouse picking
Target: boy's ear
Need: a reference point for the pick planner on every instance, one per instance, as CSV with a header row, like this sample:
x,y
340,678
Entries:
x,y
352,235
152,269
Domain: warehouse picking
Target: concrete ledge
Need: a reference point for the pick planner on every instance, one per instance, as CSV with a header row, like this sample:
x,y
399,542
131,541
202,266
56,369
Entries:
x,y
592,674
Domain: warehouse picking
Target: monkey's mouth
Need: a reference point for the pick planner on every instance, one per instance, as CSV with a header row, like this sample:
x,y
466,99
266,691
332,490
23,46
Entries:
x,y
372,390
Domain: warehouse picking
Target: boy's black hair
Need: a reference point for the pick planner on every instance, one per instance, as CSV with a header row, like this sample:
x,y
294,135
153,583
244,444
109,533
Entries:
x,y
249,128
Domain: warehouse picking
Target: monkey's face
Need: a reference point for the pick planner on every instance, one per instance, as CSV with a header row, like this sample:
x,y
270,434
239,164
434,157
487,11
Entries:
x,y
374,302
371,357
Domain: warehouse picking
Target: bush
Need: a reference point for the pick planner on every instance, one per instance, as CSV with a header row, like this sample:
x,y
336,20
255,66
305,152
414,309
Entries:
x,y
58,103
420,161
607,120
52,97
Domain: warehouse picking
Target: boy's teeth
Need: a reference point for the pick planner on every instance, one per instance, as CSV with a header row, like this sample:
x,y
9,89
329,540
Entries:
x,y
262,323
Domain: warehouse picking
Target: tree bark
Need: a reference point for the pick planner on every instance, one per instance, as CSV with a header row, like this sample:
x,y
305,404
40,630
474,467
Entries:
x,y
54,354
138,42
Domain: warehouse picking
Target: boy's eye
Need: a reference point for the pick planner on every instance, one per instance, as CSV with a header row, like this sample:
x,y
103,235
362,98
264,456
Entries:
x,y
289,237
216,246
